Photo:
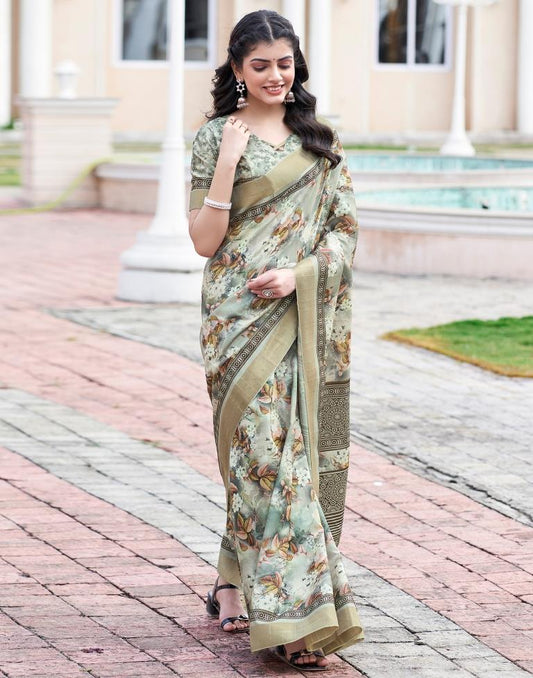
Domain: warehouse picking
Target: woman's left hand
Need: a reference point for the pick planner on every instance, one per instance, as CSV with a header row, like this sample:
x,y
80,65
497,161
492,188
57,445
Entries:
x,y
273,284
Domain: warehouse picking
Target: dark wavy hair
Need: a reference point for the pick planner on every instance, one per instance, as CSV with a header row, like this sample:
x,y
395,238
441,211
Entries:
x,y
300,117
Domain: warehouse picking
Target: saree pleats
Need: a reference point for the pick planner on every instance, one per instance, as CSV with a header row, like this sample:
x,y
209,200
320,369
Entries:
x,y
278,377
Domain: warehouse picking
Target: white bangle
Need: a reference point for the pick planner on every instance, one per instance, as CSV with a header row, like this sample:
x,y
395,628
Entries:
x,y
216,204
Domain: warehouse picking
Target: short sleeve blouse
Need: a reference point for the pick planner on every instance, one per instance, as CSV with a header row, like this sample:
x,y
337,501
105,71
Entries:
x,y
258,159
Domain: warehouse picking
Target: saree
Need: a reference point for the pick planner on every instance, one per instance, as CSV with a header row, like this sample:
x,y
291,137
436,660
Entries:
x,y
278,375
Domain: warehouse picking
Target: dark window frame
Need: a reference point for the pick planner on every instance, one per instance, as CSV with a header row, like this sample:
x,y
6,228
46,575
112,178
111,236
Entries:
x,y
209,46
411,38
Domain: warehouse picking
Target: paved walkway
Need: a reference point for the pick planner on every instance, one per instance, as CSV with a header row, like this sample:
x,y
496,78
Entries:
x,y
460,425
111,505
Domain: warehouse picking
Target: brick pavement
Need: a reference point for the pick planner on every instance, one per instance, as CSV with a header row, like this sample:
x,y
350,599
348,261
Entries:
x,y
97,432
458,424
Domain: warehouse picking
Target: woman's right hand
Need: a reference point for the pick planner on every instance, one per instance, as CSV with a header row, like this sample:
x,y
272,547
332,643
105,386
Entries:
x,y
235,135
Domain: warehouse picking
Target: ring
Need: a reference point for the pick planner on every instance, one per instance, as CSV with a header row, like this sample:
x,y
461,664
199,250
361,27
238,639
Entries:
x,y
268,293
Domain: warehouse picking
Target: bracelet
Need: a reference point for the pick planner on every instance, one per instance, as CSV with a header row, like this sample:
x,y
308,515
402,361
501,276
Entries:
x,y
216,204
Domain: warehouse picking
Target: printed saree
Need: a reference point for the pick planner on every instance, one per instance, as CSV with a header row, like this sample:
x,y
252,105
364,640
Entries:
x,y
278,377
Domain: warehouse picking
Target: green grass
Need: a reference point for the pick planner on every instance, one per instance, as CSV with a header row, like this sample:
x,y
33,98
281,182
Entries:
x,y
504,346
9,170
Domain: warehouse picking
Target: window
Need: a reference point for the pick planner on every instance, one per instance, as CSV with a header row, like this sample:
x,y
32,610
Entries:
x,y
144,30
196,24
413,32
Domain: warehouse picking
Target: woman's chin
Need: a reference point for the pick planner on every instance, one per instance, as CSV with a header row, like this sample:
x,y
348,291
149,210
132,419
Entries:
x,y
273,100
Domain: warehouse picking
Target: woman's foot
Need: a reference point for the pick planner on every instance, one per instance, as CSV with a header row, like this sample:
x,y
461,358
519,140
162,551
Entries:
x,y
230,609
306,659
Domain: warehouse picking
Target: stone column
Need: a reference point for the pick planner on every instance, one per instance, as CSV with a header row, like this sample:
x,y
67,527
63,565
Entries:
x,y
162,265
62,137
457,143
35,60
525,68
5,62
320,54
294,11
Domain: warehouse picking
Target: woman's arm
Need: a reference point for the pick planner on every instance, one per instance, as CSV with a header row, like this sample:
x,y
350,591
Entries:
x,y
208,225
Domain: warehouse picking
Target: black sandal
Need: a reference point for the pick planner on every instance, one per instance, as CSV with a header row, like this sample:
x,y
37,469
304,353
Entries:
x,y
213,608
293,659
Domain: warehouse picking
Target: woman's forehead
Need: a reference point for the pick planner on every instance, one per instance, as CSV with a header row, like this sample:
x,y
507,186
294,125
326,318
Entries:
x,y
271,51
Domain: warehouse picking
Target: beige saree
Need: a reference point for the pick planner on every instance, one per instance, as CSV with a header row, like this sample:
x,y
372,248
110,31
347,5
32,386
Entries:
x,y
278,377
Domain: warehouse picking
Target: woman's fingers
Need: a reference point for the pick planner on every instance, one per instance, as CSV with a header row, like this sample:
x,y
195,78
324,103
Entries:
x,y
273,283
235,137
235,124
263,279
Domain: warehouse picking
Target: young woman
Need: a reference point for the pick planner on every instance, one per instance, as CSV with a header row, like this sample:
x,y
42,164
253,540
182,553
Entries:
x,y
272,206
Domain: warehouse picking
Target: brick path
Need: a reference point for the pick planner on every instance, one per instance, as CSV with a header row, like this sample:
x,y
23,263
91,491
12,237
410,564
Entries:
x,y
111,505
463,426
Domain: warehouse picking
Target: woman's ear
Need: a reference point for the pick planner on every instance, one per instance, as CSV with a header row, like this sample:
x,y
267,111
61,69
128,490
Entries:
x,y
236,72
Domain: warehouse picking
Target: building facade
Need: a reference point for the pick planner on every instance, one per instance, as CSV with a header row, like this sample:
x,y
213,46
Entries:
x,y
380,68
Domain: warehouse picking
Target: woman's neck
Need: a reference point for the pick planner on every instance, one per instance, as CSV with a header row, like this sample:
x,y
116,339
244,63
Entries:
x,y
262,114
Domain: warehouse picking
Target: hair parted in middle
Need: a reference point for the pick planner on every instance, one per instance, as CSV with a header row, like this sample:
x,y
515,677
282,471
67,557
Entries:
x,y
300,117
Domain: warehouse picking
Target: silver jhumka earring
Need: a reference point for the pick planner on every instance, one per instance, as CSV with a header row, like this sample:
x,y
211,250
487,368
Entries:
x,y
290,98
241,89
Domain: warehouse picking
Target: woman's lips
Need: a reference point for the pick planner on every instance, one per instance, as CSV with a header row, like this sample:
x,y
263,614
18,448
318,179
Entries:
x,y
274,90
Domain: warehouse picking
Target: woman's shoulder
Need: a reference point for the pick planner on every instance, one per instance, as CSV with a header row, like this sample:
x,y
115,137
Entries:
x,y
210,131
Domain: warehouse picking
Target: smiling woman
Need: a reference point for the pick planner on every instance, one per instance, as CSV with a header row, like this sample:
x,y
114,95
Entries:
x,y
272,206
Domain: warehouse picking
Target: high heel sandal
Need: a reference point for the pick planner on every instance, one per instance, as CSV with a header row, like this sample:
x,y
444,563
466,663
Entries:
x,y
292,659
213,608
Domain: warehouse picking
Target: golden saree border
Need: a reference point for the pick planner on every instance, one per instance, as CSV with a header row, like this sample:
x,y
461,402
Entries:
x,y
331,625
278,182
325,415
249,371
228,565
272,183
307,273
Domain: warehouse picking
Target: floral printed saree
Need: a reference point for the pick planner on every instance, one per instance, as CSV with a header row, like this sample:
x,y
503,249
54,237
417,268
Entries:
x,y
278,377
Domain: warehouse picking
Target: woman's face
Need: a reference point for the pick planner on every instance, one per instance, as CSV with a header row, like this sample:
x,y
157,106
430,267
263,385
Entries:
x,y
268,72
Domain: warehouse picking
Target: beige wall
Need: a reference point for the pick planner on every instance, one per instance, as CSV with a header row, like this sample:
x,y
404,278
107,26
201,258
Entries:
x,y
75,36
367,99
493,67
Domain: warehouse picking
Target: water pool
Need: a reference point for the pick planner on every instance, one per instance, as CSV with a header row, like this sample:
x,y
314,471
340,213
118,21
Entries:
x,y
490,198
381,162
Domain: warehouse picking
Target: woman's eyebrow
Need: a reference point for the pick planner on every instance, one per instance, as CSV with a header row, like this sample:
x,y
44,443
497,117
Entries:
x,y
289,56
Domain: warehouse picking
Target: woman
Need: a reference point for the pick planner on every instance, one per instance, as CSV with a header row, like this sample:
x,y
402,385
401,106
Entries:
x,y
272,207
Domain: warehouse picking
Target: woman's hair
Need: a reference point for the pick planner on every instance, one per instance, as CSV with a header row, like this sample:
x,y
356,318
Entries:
x,y
300,117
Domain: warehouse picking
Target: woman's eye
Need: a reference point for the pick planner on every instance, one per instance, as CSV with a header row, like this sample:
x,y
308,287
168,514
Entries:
x,y
258,70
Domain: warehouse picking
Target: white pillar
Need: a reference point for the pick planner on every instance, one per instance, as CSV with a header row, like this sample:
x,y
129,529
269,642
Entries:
x,y
5,62
525,67
162,266
294,11
320,54
35,61
457,143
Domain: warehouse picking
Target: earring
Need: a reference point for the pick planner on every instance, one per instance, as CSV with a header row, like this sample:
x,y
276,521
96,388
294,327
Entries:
x,y
290,98
241,89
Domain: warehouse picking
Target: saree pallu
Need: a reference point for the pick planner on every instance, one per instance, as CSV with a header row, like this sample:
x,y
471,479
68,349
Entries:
x,y
278,377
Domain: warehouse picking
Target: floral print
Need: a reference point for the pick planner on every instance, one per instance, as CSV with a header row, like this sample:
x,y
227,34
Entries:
x,y
278,545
